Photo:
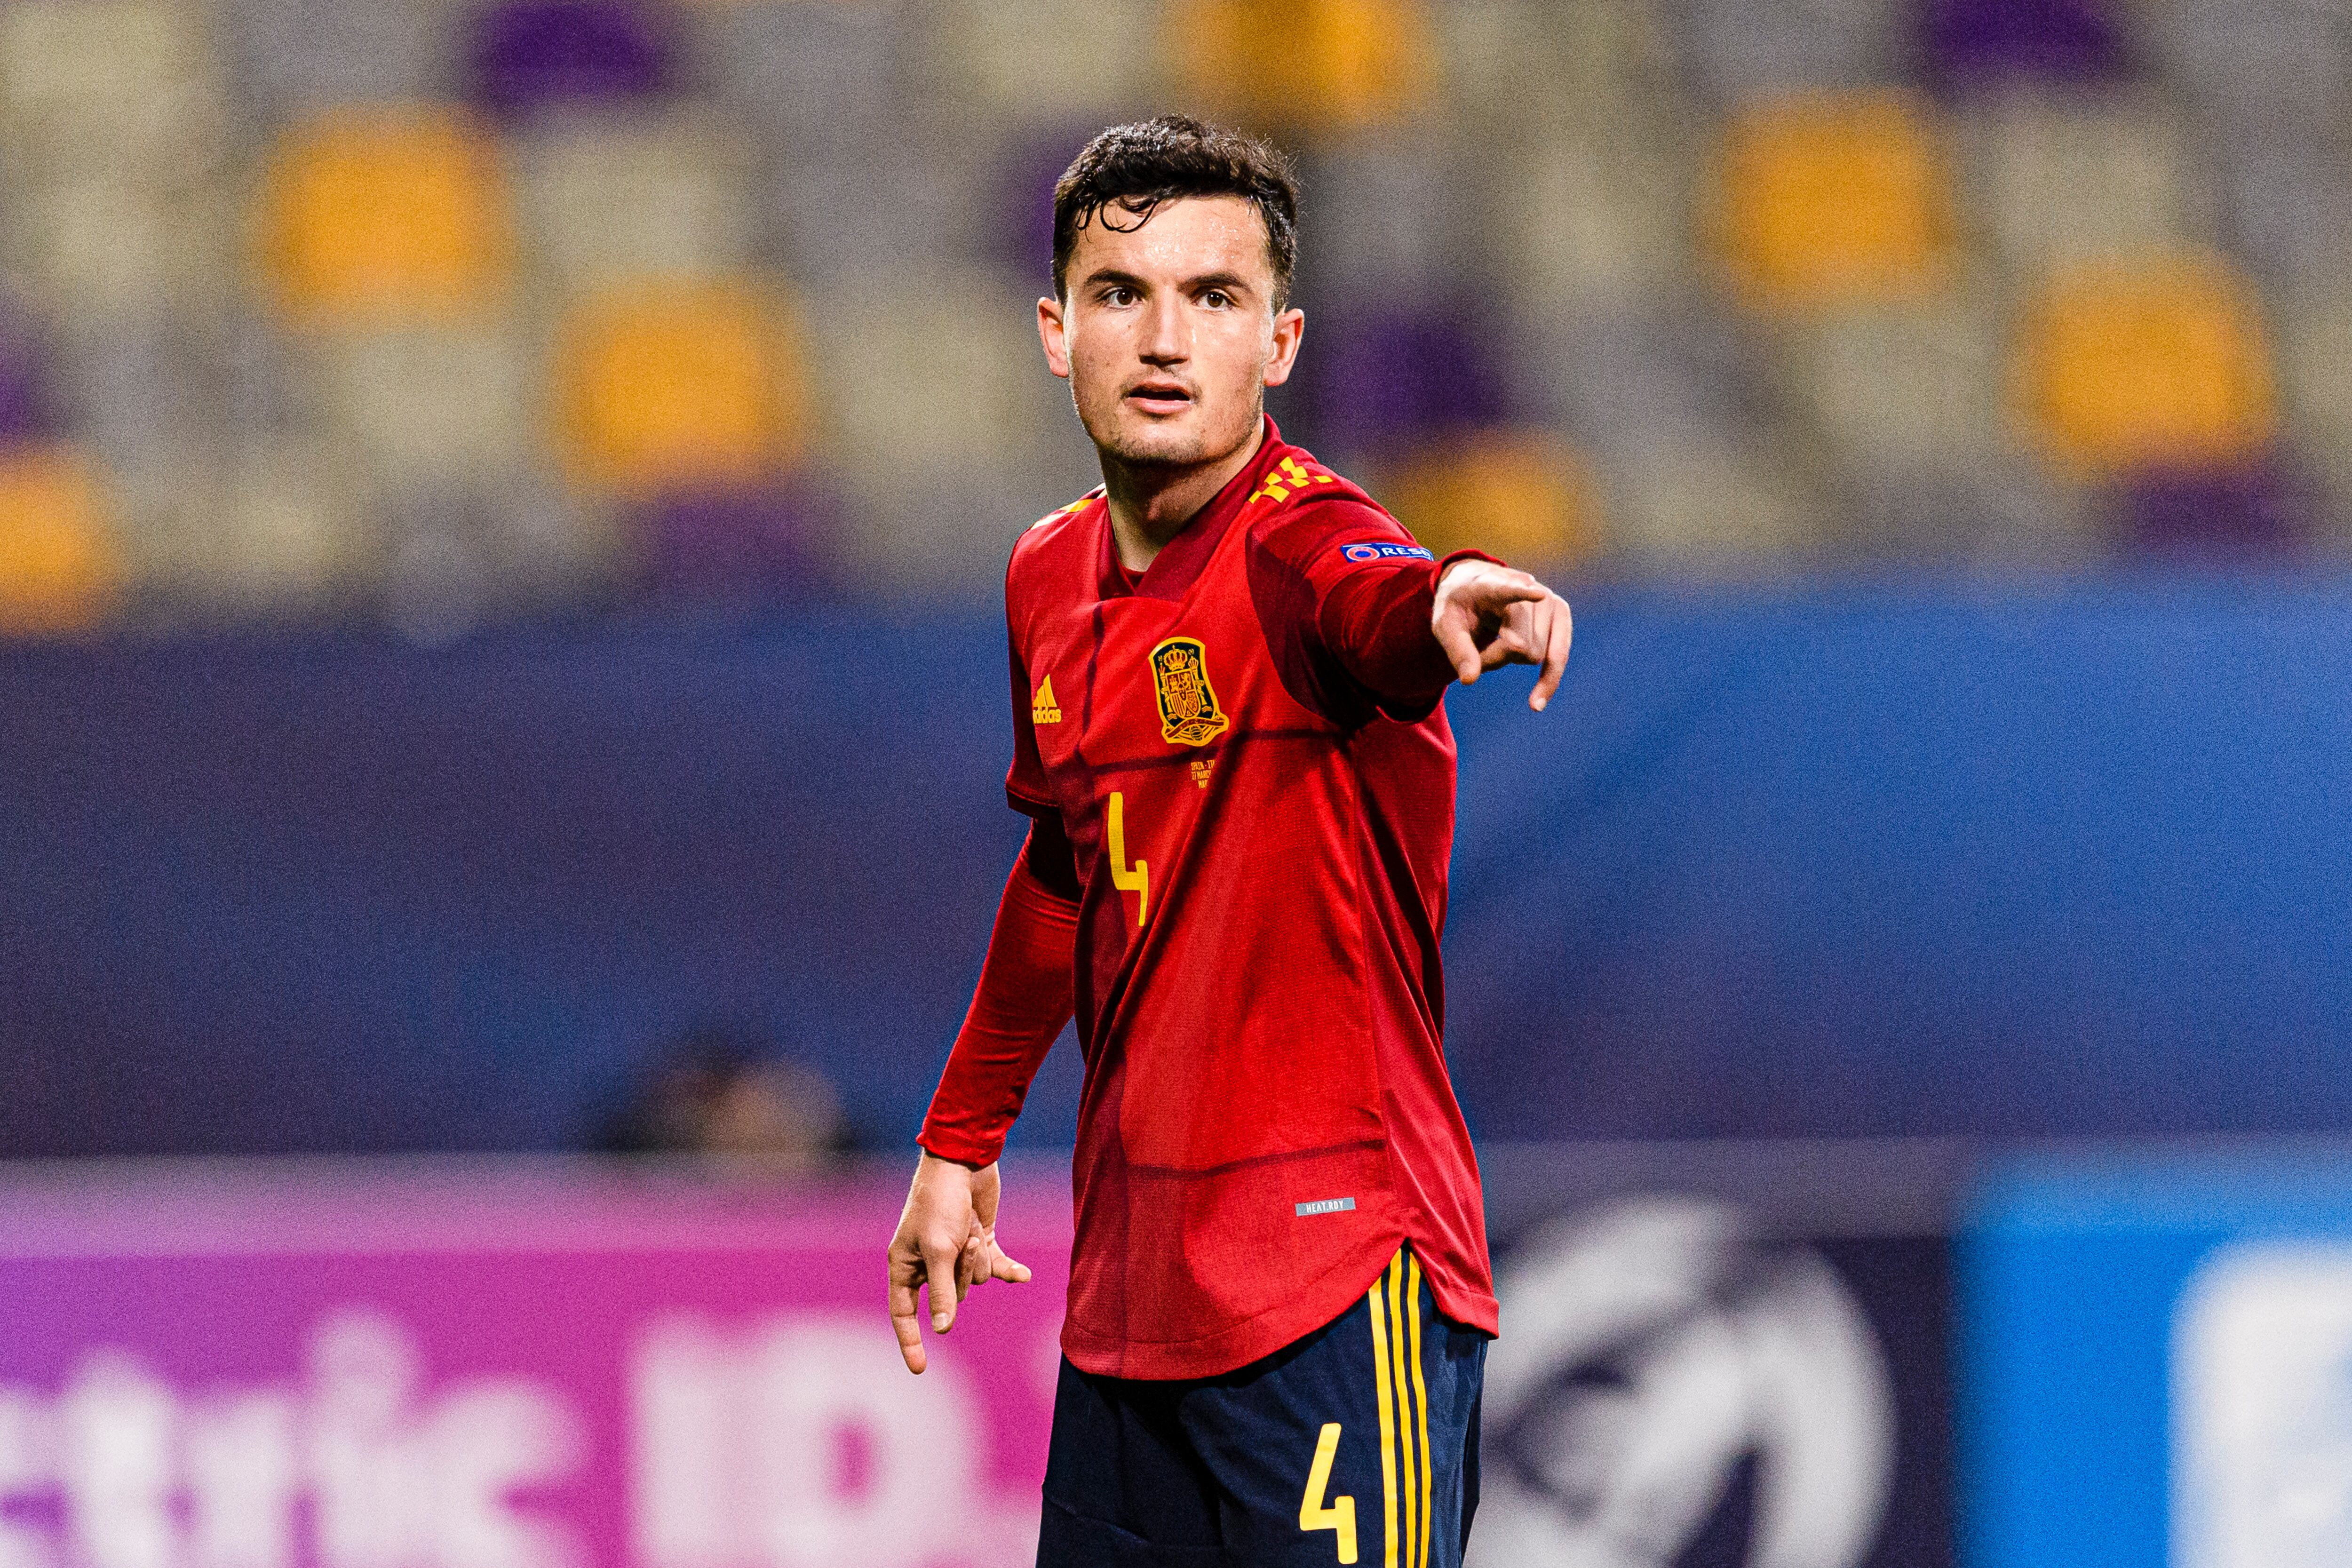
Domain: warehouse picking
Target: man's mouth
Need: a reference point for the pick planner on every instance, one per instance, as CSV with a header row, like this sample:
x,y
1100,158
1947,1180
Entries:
x,y
1159,396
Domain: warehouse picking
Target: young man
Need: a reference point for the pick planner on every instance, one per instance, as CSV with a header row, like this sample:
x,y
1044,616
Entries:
x,y
1227,669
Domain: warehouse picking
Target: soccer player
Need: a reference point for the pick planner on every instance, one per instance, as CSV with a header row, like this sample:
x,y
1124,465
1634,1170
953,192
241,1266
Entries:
x,y
1228,665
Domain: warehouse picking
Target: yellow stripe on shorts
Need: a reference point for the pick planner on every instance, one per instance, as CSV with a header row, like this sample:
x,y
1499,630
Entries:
x,y
1388,1424
1401,1309
1420,1404
1405,1472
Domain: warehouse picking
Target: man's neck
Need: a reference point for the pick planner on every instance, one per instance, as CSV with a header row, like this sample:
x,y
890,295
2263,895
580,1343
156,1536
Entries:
x,y
1150,505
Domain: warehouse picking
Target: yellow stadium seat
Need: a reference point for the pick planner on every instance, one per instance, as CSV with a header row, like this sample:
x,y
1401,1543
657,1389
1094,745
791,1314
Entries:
x,y
675,386
59,566
1831,199
2122,365
1522,496
385,218
1303,64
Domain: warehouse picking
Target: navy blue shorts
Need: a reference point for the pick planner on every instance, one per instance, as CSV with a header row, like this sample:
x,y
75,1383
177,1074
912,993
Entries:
x,y
1356,1443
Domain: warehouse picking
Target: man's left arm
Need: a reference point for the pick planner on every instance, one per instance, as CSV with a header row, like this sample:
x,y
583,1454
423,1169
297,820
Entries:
x,y
1406,630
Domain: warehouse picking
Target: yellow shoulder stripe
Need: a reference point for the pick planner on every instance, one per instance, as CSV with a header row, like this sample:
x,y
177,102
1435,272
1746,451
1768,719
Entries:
x,y
1287,477
1076,505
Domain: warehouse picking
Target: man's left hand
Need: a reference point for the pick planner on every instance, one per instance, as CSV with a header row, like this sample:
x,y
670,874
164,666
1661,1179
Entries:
x,y
1487,614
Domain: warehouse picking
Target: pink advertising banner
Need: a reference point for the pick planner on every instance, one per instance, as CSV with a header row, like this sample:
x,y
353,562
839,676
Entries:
x,y
504,1367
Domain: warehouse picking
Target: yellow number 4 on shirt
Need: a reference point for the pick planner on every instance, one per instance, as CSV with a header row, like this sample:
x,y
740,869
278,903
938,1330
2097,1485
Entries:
x,y
1127,879
1340,1517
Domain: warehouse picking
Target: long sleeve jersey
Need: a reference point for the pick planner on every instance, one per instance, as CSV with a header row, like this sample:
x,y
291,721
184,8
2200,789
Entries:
x,y
1241,785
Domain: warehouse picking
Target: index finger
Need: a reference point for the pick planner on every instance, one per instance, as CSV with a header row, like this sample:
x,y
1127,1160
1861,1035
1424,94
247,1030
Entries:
x,y
1554,662
1461,648
1509,586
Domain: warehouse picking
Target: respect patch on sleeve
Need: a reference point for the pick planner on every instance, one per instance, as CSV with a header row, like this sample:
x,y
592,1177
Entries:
x,y
1383,550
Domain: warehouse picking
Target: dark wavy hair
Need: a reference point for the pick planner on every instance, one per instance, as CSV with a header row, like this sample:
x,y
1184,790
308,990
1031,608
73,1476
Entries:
x,y
1134,168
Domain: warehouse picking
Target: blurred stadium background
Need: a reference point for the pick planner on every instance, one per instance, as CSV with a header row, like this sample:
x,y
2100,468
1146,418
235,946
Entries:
x,y
450,313
501,508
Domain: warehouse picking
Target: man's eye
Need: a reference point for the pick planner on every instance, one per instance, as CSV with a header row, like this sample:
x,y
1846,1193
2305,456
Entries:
x,y
1216,298
1119,297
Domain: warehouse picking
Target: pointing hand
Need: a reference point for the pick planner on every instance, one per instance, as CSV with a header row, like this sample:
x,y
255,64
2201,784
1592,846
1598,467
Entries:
x,y
946,1242
1487,614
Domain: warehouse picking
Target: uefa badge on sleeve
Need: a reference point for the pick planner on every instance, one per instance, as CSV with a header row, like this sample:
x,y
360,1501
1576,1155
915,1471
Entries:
x,y
1189,715
1383,550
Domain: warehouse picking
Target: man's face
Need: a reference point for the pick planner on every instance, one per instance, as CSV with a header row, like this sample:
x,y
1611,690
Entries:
x,y
1170,336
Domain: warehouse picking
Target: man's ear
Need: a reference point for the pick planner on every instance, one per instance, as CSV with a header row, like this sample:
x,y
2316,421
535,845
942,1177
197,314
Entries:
x,y
1050,332
1290,329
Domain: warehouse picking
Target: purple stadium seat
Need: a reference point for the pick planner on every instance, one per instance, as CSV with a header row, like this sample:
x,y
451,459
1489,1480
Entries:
x,y
1378,381
2245,515
527,53
1972,39
727,548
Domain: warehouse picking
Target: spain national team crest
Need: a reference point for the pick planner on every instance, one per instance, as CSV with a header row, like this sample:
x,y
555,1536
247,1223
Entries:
x,y
1188,704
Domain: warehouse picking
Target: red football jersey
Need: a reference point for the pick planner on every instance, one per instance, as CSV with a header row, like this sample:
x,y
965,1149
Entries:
x,y
1261,859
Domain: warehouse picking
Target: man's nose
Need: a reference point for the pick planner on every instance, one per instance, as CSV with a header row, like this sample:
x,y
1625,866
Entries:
x,y
1165,341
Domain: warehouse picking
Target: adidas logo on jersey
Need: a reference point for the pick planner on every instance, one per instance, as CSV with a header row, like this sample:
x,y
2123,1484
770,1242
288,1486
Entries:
x,y
1043,708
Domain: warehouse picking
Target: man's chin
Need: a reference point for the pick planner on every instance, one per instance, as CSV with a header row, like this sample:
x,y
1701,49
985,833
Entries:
x,y
1178,443
1149,453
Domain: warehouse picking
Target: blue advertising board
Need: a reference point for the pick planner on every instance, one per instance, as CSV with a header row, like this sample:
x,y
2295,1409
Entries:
x,y
2156,1363
1848,861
